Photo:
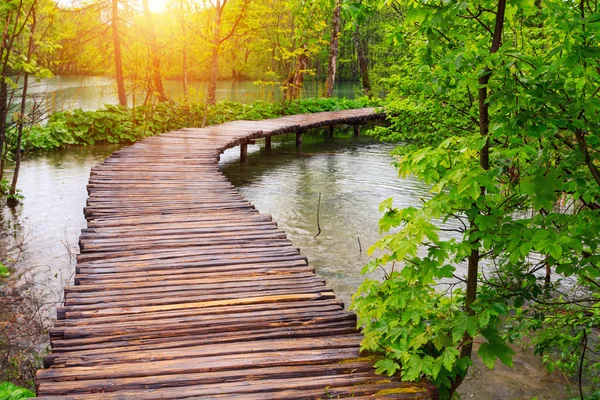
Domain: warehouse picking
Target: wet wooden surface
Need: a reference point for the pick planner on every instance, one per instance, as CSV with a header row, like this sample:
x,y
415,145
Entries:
x,y
184,290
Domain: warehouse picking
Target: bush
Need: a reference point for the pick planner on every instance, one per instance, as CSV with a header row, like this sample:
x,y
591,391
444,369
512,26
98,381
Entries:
x,y
9,391
116,124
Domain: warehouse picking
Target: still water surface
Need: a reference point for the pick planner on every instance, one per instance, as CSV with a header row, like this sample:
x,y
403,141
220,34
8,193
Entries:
x,y
50,219
92,92
352,177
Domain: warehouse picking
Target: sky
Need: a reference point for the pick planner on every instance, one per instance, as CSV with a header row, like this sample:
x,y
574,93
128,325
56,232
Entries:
x,y
157,5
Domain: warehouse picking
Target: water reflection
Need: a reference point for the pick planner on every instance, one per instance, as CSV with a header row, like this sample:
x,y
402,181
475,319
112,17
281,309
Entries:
x,y
353,176
92,92
51,217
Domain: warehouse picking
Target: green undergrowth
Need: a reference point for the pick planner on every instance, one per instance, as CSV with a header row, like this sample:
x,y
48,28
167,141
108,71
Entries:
x,y
115,124
9,391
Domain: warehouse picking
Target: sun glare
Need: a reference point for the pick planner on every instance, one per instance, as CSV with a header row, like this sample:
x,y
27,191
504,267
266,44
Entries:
x,y
157,6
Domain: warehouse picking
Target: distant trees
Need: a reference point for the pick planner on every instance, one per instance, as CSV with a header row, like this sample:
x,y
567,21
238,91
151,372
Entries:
x,y
277,42
336,23
118,58
218,33
110,36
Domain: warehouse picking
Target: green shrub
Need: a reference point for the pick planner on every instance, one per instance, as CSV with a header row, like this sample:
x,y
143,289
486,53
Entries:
x,y
9,391
116,124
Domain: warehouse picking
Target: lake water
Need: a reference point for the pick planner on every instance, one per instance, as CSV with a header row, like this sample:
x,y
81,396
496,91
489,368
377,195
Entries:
x,y
92,92
351,175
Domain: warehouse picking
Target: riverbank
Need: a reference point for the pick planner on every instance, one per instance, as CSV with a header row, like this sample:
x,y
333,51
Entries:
x,y
25,315
92,92
120,125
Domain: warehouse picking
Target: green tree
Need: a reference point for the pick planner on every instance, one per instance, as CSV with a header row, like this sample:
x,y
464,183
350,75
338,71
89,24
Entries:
x,y
21,47
118,58
500,107
336,22
218,33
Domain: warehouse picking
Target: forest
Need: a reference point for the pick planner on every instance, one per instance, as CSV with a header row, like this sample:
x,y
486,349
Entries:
x,y
492,103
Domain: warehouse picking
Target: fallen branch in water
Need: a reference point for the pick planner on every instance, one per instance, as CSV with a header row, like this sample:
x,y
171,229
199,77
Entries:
x,y
318,211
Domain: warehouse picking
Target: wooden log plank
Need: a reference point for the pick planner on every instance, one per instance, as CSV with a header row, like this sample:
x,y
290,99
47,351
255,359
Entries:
x,y
291,388
212,363
111,385
322,326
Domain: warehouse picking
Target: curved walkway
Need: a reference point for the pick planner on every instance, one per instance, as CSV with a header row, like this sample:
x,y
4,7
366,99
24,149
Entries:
x,y
184,290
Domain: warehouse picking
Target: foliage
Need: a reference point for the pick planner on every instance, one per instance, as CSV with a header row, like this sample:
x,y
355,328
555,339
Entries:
x,y
503,123
267,39
23,46
115,124
4,271
10,391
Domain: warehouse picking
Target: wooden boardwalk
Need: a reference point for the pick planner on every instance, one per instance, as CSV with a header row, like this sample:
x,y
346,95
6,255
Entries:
x,y
184,290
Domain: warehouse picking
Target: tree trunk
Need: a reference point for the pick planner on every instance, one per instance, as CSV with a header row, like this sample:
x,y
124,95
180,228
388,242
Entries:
x,y
333,49
3,118
214,59
156,75
484,162
12,201
214,73
117,51
296,79
362,63
184,54
184,61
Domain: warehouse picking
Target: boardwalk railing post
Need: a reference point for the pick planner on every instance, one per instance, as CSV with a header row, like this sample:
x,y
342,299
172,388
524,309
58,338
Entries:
x,y
244,152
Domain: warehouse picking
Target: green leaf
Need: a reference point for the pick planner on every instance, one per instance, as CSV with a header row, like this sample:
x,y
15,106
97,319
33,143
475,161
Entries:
x,y
449,357
386,366
386,204
10,391
464,323
4,271
556,251
413,369
489,353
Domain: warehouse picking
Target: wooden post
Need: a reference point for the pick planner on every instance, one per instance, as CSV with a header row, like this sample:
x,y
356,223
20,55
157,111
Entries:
x,y
356,130
330,133
267,144
244,152
298,139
